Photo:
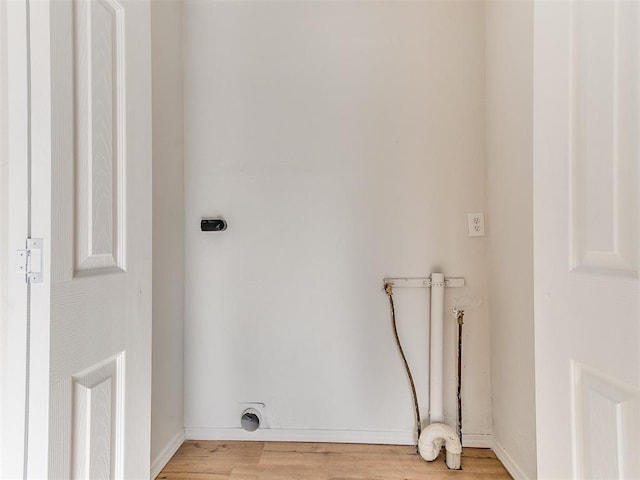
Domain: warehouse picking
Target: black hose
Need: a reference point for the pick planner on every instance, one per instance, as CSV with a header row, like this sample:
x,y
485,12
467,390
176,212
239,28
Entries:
x,y
460,315
389,291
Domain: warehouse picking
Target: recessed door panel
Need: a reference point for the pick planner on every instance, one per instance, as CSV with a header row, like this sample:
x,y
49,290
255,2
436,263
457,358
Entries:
x,y
604,152
97,421
606,414
99,130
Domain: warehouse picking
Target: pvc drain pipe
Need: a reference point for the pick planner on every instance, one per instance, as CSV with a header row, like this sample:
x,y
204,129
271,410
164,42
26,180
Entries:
x,y
434,437
437,434
436,383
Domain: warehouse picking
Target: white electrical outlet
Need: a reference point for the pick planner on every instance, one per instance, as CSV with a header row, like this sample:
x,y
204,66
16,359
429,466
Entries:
x,y
476,224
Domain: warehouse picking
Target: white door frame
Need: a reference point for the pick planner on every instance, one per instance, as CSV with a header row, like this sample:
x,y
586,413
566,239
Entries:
x,y
14,217
40,227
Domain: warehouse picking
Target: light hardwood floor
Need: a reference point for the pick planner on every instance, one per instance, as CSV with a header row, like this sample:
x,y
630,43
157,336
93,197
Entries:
x,y
205,460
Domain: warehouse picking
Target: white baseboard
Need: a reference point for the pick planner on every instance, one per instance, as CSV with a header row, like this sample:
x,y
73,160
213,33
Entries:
x,y
324,436
167,452
509,463
291,435
473,440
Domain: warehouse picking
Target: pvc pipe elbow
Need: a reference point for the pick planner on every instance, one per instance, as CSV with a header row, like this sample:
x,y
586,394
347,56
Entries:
x,y
433,438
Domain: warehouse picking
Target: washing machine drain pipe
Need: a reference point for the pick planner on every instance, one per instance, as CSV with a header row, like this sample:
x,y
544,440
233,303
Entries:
x,y
437,434
434,437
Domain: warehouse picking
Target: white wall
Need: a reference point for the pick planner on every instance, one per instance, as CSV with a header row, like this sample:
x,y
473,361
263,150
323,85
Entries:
x,y
168,229
509,87
343,142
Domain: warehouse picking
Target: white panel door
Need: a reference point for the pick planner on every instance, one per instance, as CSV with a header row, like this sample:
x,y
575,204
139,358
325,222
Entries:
x,y
586,184
91,137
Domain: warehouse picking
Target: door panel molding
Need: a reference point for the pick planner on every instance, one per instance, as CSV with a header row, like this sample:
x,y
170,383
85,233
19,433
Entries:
x,y
99,136
98,414
605,108
606,413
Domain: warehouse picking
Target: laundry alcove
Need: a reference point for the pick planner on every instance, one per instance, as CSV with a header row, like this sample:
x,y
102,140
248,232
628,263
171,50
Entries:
x,y
342,142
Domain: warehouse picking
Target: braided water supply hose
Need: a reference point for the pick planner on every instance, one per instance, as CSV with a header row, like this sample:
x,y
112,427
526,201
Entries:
x,y
388,289
459,315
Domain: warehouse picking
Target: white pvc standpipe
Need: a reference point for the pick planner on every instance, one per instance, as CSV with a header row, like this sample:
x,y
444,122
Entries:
x,y
437,434
436,382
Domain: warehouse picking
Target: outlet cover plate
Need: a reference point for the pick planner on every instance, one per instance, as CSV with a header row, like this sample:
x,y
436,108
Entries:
x,y
476,224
